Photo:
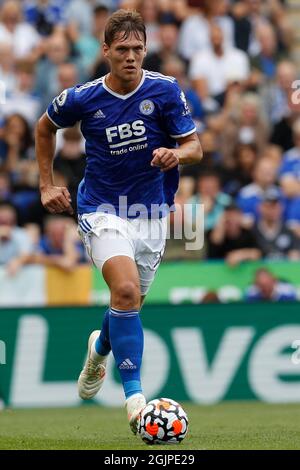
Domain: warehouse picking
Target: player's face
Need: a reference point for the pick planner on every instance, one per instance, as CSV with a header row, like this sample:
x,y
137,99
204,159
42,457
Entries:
x,y
126,56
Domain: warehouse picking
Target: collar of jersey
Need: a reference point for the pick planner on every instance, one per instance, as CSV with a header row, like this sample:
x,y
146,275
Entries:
x,y
124,97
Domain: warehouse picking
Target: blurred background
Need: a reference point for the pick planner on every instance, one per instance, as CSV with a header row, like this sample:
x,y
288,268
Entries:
x,y
238,63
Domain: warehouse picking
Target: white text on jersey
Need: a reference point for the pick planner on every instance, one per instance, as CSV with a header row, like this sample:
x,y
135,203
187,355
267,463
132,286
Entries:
x,y
126,131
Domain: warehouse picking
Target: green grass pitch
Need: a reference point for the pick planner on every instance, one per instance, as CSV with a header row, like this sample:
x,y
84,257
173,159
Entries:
x,y
243,425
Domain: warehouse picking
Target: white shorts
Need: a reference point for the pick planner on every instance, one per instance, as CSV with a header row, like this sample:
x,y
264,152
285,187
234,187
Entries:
x,y
143,240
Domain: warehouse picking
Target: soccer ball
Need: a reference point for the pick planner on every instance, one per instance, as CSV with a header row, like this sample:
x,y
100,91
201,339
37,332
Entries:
x,y
163,421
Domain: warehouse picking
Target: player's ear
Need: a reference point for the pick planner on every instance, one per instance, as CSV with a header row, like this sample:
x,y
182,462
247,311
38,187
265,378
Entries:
x,y
105,49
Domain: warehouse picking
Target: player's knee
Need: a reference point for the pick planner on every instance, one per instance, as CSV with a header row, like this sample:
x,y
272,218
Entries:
x,y
126,295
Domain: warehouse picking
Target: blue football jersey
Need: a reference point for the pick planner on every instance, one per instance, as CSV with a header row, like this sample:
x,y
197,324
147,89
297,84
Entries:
x,y
121,132
290,165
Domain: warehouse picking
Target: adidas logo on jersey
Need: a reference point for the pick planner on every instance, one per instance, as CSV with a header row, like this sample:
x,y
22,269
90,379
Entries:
x,y
99,114
127,364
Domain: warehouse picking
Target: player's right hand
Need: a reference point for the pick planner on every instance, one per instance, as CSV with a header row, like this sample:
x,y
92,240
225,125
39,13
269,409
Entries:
x,y
56,199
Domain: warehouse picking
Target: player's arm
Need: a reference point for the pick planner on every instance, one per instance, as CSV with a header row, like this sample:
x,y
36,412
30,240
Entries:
x,y
188,152
55,199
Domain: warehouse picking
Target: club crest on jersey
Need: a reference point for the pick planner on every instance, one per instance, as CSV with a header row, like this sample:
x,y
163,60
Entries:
x,y
147,107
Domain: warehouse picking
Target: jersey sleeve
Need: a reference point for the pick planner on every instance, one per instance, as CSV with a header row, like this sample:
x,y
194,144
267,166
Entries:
x,y
177,115
64,110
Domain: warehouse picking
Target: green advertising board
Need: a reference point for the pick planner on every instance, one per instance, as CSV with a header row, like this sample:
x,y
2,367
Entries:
x,y
188,282
204,354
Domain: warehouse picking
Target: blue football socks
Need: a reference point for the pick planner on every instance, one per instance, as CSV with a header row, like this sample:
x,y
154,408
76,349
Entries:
x,y
102,344
127,343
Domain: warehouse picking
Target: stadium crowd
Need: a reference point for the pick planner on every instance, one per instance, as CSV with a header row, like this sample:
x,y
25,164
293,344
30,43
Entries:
x,y
232,59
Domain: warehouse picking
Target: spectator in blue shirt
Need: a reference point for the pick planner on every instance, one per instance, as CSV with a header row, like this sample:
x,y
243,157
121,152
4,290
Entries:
x,y
15,243
267,288
45,15
289,172
273,236
60,245
249,197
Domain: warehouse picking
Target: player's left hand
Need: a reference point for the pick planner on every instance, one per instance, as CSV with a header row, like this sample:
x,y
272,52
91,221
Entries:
x,y
165,159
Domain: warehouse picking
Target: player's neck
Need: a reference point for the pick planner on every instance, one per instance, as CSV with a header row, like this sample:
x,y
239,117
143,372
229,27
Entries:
x,y
118,85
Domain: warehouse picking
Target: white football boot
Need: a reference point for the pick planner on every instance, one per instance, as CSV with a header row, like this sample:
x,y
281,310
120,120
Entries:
x,y
135,404
93,373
